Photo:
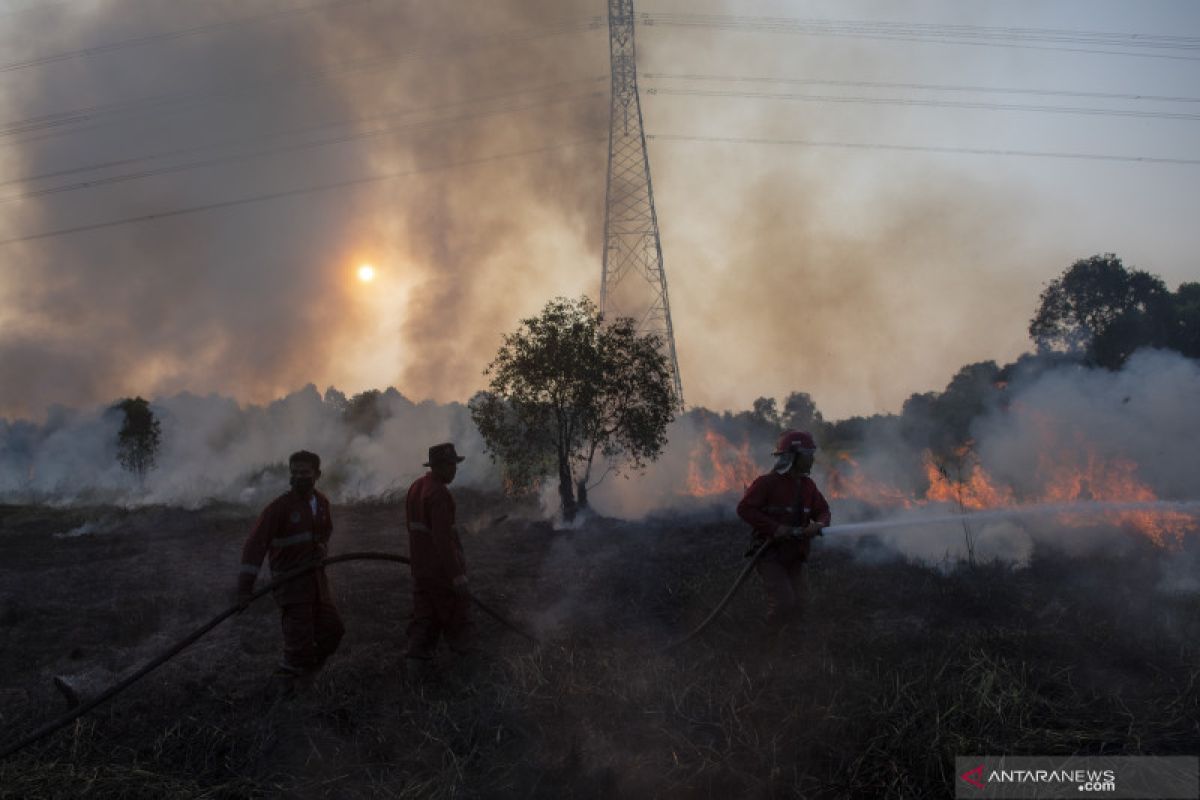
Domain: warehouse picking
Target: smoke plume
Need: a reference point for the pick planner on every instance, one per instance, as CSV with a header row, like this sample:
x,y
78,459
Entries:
x,y
798,267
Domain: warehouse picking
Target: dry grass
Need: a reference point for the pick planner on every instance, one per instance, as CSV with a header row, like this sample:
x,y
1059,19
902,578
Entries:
x,y
899,668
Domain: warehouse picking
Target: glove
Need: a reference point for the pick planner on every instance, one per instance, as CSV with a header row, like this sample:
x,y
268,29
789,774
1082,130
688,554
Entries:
x,y
804,535
460,586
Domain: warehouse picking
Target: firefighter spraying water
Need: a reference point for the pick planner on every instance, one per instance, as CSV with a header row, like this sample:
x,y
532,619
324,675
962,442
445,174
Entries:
x,y
786,511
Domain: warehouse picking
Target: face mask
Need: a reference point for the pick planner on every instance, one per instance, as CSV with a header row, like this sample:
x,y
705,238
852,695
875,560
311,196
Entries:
x,y
303,485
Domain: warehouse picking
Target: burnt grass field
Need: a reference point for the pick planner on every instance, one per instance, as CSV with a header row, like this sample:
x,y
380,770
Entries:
x,y
900,667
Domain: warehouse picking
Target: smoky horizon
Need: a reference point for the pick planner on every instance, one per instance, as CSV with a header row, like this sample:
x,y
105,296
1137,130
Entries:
x,y
193,192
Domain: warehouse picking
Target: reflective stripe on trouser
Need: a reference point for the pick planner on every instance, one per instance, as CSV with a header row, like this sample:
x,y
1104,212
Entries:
x,y
438,612
786,580
311,633
280,542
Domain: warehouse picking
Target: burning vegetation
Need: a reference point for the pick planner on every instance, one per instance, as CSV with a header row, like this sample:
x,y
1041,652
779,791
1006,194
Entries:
x,y
901,664
899,669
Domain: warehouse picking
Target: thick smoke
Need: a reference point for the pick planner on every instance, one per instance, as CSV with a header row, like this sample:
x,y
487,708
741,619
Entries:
x,y
832,270
1135,425
214,449
1132,428
1070,420
254,299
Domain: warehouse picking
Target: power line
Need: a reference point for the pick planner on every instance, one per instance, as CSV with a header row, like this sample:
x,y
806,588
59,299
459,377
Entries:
x,y
961,34
35,5
319,74
671,137
292,148
277,134
1122,39
153,38
325,187
908,101
934,87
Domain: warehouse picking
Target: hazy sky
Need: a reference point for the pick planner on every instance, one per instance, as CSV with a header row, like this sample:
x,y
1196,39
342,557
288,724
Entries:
x,y
463,144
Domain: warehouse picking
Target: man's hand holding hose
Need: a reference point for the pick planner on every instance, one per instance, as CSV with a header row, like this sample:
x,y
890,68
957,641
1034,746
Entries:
x,y
805,533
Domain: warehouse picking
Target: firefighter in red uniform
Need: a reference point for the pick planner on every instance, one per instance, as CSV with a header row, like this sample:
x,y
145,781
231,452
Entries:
x,y
786,511
295,530
441,600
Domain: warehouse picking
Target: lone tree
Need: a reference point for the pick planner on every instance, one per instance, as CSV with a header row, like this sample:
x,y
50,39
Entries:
x,y
139,438
566,388
1099,309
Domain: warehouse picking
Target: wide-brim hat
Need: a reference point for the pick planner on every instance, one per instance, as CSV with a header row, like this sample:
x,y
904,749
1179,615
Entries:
x,y
443,453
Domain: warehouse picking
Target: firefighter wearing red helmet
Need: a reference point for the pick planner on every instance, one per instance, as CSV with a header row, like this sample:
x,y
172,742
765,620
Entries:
x,y
786,511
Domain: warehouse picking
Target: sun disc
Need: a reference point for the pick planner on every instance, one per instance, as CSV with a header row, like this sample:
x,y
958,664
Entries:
x,y
366,273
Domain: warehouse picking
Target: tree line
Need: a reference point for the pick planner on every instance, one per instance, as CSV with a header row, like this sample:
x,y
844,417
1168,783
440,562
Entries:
x,y
569,391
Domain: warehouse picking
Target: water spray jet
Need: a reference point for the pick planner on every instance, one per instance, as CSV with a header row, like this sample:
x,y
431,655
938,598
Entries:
x,y
1085,508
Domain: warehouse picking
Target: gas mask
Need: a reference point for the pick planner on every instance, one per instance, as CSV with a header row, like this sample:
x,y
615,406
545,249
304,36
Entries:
x,y
303,485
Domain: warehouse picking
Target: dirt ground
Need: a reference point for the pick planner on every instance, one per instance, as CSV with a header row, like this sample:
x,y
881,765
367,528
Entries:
x,y
899,668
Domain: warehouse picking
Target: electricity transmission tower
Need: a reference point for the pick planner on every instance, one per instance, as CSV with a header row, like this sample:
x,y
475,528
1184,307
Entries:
x,y
633,282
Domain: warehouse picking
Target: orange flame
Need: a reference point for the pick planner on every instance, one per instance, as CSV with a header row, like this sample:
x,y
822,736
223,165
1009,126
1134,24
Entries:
x,y
1065,475
726,469
847,481
1113,481
975,490
1067,472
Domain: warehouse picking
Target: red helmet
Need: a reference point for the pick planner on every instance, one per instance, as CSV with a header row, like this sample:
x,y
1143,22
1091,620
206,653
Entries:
x,y
795,442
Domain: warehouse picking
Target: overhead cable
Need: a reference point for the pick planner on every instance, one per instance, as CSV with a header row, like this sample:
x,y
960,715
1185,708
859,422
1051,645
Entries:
x,y
435,123
1148,46
932,87
915,101
979,151
303,190
249,90
163,36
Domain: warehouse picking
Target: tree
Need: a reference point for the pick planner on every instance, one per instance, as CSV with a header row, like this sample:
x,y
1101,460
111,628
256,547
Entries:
x,y
942,421
1185,331
1102,311
363,412
335,399
139,438
565,389
800,413
766,412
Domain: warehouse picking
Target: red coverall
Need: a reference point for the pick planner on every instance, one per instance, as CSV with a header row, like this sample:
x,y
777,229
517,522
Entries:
x,y
437,559
294,536
773,503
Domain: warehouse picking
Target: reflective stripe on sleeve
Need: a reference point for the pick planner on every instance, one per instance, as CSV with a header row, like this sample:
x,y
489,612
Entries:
x,y
249,569
287,541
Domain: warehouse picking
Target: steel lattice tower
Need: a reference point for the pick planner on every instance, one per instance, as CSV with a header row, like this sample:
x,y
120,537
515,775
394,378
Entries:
x,y
633,282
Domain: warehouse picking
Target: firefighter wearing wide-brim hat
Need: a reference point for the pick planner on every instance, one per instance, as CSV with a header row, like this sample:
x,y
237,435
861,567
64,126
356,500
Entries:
x,y
441,601
295,530
787,512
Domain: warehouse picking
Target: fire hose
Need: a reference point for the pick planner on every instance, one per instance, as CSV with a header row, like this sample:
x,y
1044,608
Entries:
x,y
195,636
755,555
